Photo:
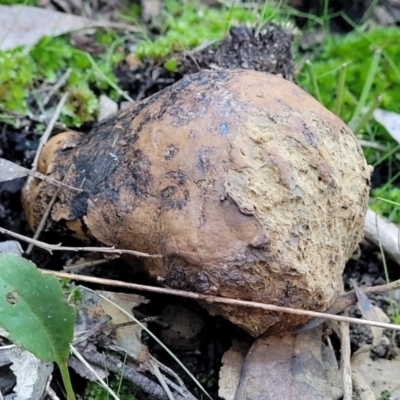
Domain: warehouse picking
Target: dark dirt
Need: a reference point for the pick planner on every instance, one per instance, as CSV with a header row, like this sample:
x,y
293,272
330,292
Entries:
x,y
270,52
368,270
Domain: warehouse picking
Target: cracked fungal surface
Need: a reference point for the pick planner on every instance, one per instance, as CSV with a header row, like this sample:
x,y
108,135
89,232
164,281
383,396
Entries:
x,y
246,185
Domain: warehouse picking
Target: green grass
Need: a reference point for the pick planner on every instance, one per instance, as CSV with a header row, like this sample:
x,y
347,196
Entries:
x,y
390,206
362,70
357,50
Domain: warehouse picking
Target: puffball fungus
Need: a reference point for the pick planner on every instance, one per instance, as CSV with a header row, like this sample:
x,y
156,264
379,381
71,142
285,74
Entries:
x,y
247,186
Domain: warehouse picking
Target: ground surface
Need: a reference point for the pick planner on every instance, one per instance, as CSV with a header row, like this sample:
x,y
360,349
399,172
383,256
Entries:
x,y
269,52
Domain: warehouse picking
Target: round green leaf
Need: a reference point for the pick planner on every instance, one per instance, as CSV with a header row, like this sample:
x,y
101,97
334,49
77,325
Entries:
x,y
33,310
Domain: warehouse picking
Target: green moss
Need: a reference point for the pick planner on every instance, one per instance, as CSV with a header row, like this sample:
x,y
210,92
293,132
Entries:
x,y
16,78
22,72
185,26
171,65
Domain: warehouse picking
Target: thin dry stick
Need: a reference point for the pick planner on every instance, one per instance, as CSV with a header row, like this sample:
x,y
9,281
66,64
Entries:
x,y
345,364
78,355
92,331
78,267
48,130
361,386
154,368
49,391
57,247
110,24
57,86
113,364
169,372
347,299
215,299
43,220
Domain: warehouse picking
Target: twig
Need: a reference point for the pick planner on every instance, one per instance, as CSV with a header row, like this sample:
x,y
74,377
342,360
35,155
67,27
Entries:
x,y
49,391
361,386
114,365
182,388
155,370
57,247
128,323
350,298
202,47
57,86
48,130
78,267
52,181
43,220
222,300
114,25
345,365
144,317
98,326
78,355
151,334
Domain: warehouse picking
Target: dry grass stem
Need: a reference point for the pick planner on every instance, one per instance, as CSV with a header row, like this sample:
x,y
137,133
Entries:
x,y
48,130
223,300
113,364
50,392
155,370
171,373
78,355
43,220
345,365
78,267
361,386
57,86
347,299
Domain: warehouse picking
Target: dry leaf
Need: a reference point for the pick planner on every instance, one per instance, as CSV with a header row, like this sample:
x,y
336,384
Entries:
x,y
229,374
390,121
285,367
32,374
10,171
10,247
370,312
128,337
24,25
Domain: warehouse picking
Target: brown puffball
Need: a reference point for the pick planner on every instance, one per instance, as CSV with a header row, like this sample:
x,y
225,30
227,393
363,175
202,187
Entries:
x,y
246,185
